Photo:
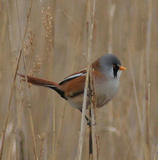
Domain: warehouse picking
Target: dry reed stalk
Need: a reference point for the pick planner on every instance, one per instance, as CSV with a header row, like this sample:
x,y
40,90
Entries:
x,y
33,134
41,146
18,15
49,19
57,138
30,116
135,90
92,134
139,109
156,153
142,129
111,17
93,119
82,130
4,28
91,15
13,83
30,41
148,83
31,124
54,133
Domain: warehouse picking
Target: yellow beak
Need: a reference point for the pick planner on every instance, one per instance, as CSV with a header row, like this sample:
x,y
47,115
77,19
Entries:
x,y
122,68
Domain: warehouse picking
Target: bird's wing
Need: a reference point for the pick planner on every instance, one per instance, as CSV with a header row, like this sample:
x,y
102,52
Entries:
x,y
74,86
73,76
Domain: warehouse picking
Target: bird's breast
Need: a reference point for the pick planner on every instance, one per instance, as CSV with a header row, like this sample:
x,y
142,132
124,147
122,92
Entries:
x,y
105,91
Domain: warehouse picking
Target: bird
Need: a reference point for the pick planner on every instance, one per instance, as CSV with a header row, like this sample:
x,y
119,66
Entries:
x,y
106,72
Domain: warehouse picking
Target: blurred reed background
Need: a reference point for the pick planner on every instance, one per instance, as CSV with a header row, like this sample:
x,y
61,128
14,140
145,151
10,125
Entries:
x,y
48,39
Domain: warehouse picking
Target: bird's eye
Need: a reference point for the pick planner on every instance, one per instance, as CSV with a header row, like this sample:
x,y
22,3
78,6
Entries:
x,y
115,69
114,65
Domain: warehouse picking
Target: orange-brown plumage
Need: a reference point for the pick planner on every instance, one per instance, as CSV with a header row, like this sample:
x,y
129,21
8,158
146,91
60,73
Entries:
x,y
38,81
105,72
73,87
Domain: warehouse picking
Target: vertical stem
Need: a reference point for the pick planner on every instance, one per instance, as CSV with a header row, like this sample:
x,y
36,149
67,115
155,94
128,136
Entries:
x,y
111,16
91,14
93,119
91,17
13,83
54,108
148,83
82,132
33,134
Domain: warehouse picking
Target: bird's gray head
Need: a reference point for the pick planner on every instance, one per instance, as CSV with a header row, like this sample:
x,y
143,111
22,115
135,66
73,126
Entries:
x,y
111,66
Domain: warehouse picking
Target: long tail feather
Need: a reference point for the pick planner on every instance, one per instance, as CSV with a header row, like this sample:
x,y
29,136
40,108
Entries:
x,y
44,83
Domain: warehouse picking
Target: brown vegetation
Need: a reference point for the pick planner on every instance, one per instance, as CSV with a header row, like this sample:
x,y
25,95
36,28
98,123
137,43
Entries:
x,y
49,39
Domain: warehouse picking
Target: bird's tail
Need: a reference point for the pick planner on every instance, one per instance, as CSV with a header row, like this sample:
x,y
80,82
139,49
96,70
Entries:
x,y
44,83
